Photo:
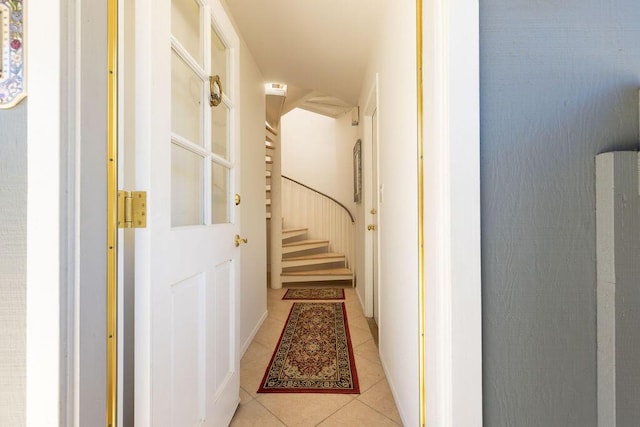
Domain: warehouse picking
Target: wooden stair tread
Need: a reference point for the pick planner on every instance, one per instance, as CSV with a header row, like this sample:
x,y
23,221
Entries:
x,y
315,256
271,130
322,272
303,242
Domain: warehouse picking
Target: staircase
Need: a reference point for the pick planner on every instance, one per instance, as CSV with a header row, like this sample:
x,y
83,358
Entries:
x,y
308,260
293,257
269,146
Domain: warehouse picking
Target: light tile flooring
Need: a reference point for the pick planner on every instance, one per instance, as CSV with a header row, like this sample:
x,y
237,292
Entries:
x,y
374,405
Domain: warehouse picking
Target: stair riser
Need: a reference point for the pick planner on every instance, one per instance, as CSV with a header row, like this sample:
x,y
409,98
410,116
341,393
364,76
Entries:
x,y
300,248
306,262
293,234
319,278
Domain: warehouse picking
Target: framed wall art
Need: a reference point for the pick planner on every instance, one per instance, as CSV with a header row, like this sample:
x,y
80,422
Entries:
x,y
12,57
357,172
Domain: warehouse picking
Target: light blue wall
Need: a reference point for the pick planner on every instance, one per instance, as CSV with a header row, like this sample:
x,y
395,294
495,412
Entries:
x,y
559,84
13,263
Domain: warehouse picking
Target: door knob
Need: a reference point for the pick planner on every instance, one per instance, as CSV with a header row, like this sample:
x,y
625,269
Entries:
x,y
373,211
238,241
371,227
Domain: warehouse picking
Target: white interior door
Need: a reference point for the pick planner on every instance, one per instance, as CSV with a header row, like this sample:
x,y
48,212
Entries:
x,y
374,214
187,355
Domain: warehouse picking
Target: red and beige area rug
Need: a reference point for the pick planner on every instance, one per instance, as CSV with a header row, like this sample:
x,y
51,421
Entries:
x,y
314,354
314,293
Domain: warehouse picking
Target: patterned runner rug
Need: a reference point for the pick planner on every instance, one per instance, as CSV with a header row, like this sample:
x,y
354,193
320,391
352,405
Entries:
x,y
314,293
314,354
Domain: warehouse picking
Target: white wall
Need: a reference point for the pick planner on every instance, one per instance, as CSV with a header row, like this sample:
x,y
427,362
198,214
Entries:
x,y
346,136
253,280
317,151
395,60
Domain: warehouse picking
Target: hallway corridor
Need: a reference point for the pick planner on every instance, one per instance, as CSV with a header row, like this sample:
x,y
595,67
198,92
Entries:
x,y
374,405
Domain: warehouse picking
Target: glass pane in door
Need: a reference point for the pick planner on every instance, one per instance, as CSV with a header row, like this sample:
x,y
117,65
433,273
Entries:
x,y
186,100
185,26
219,61
219,194
187,179
220,130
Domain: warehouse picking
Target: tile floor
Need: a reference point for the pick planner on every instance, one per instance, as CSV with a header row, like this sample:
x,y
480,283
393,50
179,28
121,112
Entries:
x,y
374,405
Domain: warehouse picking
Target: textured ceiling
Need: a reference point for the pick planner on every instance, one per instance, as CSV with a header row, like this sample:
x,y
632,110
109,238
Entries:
x,y
314,45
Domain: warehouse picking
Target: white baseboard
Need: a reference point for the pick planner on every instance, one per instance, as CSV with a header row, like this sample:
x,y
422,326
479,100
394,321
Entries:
x,y
392,388
253,333
361,302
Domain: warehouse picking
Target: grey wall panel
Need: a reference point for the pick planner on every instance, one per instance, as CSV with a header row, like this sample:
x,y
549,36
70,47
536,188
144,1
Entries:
x,y
627,289
92,248
13,264
558,85
605,288
618,256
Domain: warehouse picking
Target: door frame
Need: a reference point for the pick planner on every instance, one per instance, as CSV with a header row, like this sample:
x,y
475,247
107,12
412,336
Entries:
x,y
449,213
450,197
370,106
44,254
66,212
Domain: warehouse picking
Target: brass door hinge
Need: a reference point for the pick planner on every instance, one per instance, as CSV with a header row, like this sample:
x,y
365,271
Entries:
x,y
132,209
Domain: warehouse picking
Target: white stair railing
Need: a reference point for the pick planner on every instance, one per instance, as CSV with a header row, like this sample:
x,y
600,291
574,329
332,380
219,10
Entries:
x,y
324,217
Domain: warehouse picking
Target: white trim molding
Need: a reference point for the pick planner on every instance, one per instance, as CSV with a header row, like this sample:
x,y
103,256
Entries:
x,y
44,143
453,318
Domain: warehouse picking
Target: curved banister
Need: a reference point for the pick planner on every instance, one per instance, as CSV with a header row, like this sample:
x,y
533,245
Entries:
x,y
322,194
